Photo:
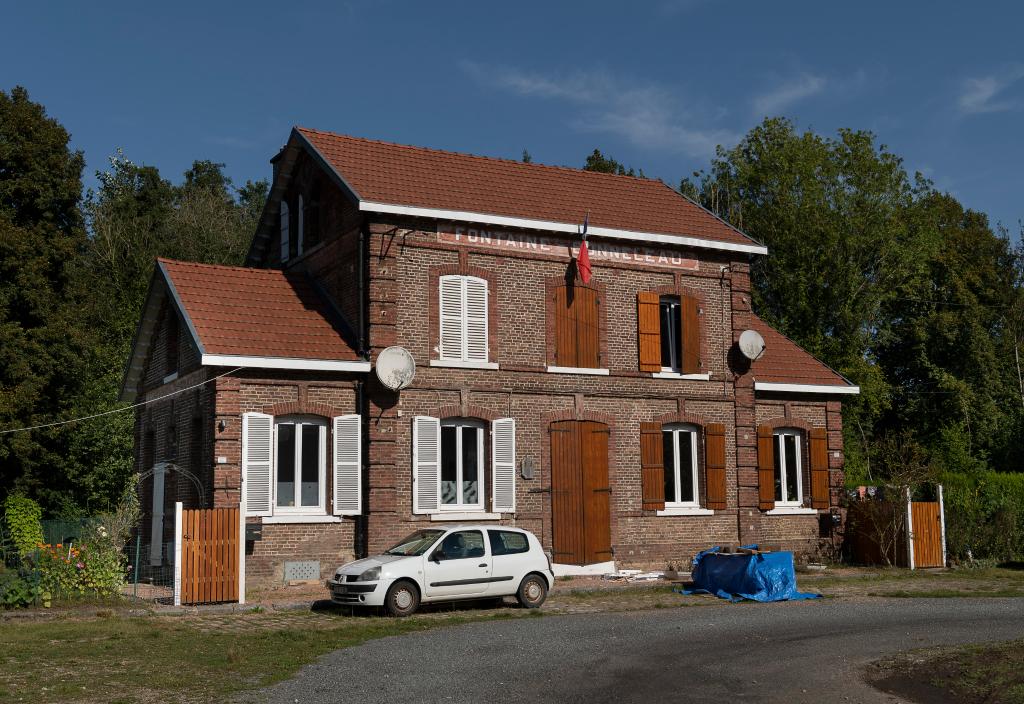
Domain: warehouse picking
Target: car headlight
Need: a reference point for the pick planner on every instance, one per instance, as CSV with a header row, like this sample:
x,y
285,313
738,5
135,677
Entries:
x,y
370,575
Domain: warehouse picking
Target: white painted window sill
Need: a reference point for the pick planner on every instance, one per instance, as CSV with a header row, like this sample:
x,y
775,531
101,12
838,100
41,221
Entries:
x,y
685,511
685,377
301,519
792,511
169,378
465,516
578,370
462,364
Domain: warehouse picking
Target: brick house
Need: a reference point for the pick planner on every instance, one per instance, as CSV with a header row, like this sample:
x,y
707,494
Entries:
x,y
616,419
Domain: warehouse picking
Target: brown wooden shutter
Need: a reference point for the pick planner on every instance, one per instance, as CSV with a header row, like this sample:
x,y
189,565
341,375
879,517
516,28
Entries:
x,y
588,328
648,326
652,467
714,465
819,468
565,328
690,334
765,467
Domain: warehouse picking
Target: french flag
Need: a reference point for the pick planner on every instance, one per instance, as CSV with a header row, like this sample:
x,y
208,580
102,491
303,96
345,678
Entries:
x,y
583,260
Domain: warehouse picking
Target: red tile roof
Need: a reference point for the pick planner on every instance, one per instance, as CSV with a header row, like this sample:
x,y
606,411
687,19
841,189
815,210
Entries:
x,y
257,312
397,174
785,362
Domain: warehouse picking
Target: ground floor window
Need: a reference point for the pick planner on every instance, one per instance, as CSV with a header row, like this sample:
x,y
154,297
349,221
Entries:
x,y
788,474
680,456
301,463
462,464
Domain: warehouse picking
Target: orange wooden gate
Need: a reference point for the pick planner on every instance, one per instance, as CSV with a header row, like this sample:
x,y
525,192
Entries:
x,y
209,555
926,523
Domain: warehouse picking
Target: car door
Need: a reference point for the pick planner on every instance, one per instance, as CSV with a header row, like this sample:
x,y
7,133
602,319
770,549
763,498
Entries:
x,y
459,566
511,560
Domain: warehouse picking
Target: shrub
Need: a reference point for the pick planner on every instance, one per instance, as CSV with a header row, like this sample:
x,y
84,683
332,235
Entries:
x,y
23,517
984,515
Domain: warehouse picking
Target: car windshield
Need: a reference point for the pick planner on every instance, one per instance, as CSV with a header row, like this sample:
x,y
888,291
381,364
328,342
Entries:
x,y
416,544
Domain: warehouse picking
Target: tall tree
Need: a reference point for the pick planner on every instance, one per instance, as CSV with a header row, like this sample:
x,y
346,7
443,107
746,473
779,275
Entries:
x,y
606,165
41,236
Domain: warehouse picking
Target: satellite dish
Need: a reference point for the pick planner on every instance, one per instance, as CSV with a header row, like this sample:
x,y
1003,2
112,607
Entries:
x,y
751,344
396,368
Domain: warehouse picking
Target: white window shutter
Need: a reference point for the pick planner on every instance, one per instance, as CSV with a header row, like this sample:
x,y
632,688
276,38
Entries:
x,y
503,465
348,475
452,330
476,319
257,463
426,464
285,225
302,227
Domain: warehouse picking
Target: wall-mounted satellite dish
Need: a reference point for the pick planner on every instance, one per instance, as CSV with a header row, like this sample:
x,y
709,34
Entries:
x,y
396,368
751,344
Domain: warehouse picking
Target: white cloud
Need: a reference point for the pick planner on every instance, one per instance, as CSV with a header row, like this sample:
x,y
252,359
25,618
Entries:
x,y
648,115
789,92
979,95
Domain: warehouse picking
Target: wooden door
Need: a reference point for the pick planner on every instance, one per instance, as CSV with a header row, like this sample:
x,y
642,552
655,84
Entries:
x,y
580,494
927,530
209,555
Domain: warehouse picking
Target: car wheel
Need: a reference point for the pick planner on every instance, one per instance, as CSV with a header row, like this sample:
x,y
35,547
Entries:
x,y
403,598
533,590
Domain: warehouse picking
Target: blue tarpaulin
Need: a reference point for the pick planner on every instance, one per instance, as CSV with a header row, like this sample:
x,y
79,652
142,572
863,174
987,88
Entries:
x,y
762,576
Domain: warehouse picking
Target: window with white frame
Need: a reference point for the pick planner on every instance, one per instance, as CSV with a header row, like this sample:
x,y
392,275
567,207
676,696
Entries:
x,y
671,323
788,468
680,456
300,466
463,328
462,464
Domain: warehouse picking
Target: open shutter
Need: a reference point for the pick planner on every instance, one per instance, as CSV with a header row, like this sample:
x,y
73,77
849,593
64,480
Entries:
x,y
690,334
348,476
503,465
285,226
819,468
257,455
476,319
765,467
301,239
648,327
714,465
452,328
426,464
652,467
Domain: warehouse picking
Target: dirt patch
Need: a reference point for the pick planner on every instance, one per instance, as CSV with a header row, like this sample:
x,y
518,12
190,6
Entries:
x,y
972,674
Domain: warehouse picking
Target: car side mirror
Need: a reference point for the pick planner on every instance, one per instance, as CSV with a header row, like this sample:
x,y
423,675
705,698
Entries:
x,y
437,555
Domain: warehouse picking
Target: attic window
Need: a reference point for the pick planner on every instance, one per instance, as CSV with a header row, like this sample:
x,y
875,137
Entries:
x,y
173,333
285,227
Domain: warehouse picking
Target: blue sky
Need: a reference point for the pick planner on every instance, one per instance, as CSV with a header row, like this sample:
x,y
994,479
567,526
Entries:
x,y
655,84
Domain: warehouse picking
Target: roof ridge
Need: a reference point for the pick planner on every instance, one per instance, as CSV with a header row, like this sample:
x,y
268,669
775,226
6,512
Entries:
x,y
483,157
229,267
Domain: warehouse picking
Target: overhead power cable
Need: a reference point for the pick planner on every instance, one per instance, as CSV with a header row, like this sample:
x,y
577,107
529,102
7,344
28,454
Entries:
x,y
118,410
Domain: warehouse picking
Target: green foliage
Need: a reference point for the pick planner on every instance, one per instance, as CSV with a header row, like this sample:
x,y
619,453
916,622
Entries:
x,y
22,517
19,591
606,165
984,515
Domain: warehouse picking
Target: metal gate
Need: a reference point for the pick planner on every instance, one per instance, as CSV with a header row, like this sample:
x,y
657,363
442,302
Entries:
x,y
208,564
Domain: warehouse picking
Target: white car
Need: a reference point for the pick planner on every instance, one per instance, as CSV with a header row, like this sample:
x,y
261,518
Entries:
x,y
448,564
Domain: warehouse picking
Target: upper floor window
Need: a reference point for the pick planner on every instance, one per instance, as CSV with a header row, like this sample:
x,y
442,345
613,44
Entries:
x,y
285,228
463,329
300,243
679,444
173,332
788,468
577,324
668,328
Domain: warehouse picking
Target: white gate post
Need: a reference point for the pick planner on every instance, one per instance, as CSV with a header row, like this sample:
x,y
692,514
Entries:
x,y
177,553
910,532
942,524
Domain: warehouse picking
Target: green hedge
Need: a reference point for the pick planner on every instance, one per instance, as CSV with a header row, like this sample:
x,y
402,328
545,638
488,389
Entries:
x,y
984,515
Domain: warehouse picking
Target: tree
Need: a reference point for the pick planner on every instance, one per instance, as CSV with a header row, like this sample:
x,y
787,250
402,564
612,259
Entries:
x,y
41,339
606,165
838,217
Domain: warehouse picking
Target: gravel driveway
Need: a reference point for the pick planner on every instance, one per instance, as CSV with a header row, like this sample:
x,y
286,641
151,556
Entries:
x,y
811,651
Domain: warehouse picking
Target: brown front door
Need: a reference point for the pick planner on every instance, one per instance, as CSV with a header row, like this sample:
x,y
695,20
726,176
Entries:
x,y
580,495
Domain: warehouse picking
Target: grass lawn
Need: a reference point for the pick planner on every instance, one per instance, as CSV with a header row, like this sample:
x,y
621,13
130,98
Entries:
x,y
114,658
971,674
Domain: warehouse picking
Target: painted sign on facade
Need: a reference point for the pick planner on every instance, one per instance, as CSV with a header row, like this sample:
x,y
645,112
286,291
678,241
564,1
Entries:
x,y
600,250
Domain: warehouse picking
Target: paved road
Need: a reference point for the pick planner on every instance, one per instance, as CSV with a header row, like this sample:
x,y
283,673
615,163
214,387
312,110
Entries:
x,y
812,651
